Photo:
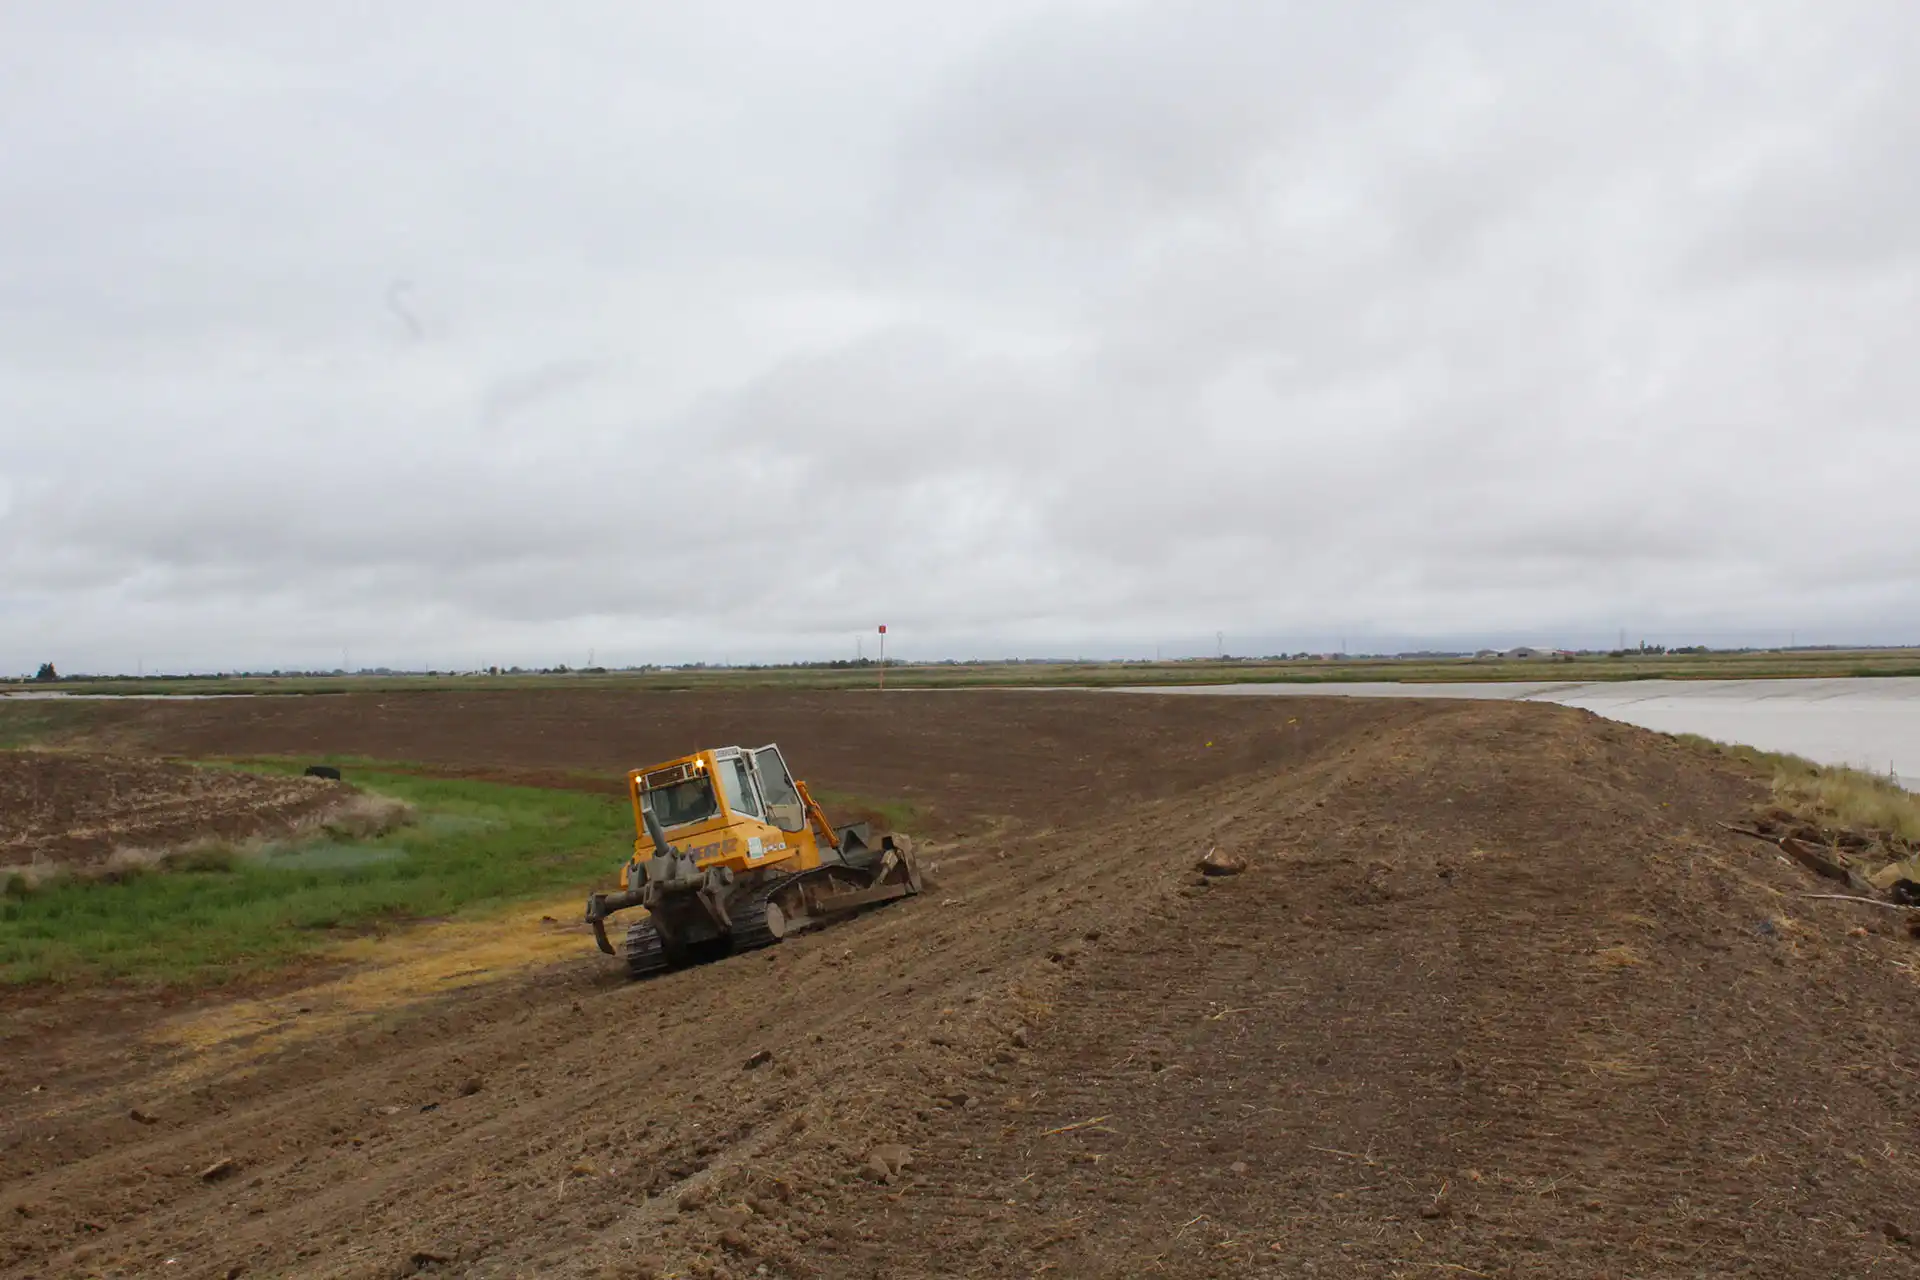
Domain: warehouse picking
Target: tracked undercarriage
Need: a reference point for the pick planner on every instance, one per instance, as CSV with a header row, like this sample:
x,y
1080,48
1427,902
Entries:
x,y
772,865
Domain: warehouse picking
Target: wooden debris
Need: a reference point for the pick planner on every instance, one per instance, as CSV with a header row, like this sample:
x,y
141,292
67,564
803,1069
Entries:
x,y
1866,902
1815,859
1083,1124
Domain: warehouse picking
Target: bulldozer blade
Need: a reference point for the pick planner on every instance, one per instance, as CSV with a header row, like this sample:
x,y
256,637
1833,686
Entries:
x,y
841,903
897,860
863,898
896,877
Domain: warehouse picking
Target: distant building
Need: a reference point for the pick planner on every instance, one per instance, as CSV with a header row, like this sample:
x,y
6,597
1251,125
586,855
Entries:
x,y
1523,651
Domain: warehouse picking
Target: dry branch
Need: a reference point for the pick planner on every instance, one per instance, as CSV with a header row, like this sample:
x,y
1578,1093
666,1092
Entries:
x,y
1069,1128
1871,902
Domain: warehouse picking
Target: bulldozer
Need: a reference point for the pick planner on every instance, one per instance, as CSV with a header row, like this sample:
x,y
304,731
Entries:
x,y
755,861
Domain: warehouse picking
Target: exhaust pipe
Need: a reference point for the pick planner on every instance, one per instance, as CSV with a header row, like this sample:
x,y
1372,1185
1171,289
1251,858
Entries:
x,y
661,849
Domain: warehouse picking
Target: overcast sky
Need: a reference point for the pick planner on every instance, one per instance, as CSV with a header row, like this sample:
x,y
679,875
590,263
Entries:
x,y
470,332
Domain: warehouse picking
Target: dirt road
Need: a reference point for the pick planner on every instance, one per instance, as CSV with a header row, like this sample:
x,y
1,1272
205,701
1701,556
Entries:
x,y
1496,998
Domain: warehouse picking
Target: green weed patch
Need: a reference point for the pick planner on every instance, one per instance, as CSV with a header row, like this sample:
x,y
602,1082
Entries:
x,y
472,845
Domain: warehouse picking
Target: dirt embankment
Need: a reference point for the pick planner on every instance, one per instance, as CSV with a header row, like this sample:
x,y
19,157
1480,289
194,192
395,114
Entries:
x,y
63,809
1496,997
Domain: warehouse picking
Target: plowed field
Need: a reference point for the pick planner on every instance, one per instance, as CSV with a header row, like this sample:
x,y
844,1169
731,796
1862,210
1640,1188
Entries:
x,y
63,809
1496,997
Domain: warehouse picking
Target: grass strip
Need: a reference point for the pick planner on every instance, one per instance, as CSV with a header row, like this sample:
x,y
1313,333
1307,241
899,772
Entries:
x,y
1834,796
474,846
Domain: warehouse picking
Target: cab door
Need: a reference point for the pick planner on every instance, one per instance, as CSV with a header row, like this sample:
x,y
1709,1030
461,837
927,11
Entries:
x,y
785,809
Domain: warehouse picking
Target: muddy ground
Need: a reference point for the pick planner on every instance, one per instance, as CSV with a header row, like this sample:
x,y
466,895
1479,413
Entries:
x,y
65,809
1497,997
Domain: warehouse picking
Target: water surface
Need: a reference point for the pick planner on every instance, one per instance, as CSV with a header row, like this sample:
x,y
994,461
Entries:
x,y
1869,722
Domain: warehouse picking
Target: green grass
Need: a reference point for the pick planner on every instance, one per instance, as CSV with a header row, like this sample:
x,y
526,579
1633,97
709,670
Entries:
x,y
1828,795
474,845
842,808
352,768
30,723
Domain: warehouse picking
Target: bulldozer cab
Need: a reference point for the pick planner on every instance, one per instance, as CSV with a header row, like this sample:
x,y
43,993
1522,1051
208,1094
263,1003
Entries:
x,y
754,784
734,805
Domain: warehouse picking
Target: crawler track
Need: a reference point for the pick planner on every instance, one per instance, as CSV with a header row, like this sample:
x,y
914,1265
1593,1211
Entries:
x,y
646,951
751,929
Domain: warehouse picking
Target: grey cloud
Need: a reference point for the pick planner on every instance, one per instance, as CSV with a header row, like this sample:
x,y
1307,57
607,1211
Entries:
x,y
740,330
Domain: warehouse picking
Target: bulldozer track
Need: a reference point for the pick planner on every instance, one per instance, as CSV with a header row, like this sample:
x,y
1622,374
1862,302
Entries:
x,y
645,951
750,929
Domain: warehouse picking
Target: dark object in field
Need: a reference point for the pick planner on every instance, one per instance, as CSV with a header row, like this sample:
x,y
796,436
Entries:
x,y
1905,892
323,771
1824,863
1217,863
1814,859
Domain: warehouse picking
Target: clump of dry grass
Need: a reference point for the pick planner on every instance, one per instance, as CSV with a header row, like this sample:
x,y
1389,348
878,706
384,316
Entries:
x,y
205,855
1834,797
23,878
1621,957
360,817
1849,798
365,816
131,860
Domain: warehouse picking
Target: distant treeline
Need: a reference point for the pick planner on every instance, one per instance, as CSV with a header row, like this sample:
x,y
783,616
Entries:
x,y
49,674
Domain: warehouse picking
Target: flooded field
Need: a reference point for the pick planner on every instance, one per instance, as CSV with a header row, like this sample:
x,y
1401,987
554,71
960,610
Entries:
x,y
1867,722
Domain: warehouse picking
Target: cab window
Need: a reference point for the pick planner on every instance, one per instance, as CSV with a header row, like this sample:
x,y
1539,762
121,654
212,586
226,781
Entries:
x,y
738,786
681,803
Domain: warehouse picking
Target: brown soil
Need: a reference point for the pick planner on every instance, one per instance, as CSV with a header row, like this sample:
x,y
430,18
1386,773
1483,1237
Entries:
x,y
1495,997
66,809
1051,757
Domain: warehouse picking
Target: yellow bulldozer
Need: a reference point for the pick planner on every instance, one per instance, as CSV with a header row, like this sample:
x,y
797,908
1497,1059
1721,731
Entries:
x,y
756,861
